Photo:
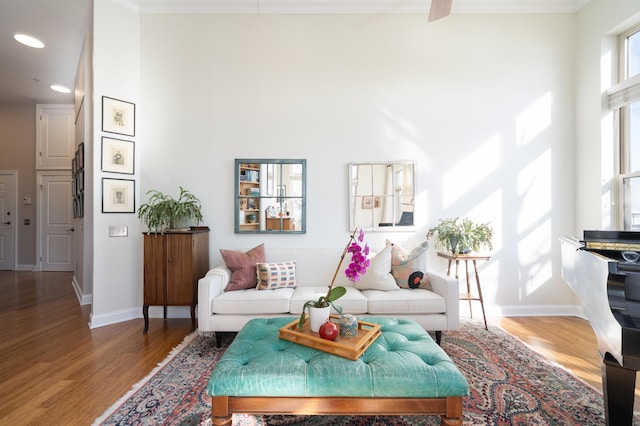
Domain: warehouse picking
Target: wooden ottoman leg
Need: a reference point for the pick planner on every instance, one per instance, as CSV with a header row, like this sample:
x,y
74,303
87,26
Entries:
x,y
454,412
223,421
220,415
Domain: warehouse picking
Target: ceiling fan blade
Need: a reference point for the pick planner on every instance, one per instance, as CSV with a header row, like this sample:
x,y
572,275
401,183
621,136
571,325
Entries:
x,y
439,9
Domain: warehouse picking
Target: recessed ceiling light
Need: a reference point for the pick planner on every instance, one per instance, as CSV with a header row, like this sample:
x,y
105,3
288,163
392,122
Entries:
x,y
59,88
28,41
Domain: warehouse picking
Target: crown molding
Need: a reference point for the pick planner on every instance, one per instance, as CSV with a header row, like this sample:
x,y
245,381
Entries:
x,y
349,6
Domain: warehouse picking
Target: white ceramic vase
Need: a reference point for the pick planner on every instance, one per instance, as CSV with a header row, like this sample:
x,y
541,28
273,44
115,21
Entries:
x,y
317,317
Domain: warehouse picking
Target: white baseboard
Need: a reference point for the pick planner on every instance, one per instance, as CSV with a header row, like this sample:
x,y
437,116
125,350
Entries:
x,y
25,267
526,310
115,317
135,313
83,299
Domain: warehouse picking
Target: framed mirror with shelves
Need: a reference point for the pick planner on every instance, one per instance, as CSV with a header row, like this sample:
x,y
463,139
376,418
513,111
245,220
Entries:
x,y
270,196
381,196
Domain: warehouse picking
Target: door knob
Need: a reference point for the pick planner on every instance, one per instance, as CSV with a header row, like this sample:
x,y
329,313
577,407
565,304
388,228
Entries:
x,y
6,223
71,229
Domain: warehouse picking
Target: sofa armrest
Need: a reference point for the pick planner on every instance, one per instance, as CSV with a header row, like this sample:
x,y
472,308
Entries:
x,y
448,288
210,286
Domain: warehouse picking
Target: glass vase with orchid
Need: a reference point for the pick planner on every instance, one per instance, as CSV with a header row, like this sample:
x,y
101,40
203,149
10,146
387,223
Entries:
x,y
356,268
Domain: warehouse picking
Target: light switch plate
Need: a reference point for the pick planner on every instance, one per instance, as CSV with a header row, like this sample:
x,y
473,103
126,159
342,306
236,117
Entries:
x,y
118,230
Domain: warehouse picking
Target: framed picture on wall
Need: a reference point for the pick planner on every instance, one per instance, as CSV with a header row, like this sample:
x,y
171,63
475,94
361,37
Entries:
x,y
118,116
118,196
367,202
117,156
81,155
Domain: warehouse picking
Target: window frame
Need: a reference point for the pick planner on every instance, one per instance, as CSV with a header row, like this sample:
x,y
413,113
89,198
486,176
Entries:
x,y
620,97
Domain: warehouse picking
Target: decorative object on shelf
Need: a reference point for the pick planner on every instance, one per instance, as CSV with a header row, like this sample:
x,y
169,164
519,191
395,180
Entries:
x,y
118,116
164,212
118,196
348,325
117,156
358,266
458,235
252,218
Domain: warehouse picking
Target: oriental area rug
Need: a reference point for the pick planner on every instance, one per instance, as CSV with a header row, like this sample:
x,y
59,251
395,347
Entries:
x,y
510,384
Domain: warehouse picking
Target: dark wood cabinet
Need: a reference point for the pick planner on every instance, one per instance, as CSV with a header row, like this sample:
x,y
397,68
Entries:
x,y
173,264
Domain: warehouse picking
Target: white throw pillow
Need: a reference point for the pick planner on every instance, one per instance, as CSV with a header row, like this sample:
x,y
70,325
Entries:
x,y
378,275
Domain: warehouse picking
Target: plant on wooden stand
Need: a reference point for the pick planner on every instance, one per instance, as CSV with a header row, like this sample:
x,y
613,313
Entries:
x,y
165,212
462,235
357,267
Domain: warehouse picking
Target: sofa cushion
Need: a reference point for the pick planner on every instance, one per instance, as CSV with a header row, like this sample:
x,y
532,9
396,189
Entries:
x,y
353,302
242,267
276,275
378,275
410,268
252,302
404,301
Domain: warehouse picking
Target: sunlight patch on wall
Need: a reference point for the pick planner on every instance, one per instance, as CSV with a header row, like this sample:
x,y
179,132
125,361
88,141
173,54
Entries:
x,y
534,192
534,224
534,120
490,210
473,168
398,129
534,255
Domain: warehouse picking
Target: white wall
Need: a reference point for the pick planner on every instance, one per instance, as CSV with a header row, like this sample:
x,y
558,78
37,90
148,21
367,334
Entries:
x,y
482,103
117,272
489,107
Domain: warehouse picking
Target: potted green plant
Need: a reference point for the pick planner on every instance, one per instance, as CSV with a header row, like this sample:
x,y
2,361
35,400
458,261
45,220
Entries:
x,y
358,266
165,212
458,235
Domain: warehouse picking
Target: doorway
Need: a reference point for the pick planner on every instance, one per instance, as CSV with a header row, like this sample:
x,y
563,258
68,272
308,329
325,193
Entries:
x,y
8,219
55,221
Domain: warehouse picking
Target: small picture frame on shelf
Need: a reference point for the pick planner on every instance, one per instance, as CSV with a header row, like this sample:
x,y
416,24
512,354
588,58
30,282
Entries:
x,y
118,116
118,156
118,196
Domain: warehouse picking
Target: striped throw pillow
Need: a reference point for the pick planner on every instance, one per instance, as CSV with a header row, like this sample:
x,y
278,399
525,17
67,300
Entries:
x,y
276,275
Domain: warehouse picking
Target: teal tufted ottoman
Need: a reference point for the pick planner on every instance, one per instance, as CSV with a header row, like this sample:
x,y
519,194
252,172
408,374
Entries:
x,y
403,372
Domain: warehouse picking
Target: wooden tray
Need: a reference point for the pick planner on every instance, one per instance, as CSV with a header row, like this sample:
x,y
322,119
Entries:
x,y
346,347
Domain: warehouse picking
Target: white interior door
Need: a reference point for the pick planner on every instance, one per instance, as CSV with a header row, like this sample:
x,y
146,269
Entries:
x,y
55,221
8,219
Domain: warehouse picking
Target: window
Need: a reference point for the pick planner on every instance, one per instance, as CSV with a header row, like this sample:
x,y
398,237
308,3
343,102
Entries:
x,y
624,99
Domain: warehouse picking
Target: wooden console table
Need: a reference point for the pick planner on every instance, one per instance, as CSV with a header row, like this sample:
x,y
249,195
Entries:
x,y
468,295
273,224
173,264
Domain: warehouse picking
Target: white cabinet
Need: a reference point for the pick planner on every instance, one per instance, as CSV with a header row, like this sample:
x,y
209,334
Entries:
x,y
55,137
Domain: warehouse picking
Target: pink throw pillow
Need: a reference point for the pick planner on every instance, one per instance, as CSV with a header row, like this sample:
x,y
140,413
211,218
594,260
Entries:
x,y
242,267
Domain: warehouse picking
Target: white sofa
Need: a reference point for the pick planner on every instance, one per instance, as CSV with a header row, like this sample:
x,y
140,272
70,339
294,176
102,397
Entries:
x,y
228,311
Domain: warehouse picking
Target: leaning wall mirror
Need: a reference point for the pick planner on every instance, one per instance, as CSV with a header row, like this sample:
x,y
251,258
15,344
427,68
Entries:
x,y
270,196
381,196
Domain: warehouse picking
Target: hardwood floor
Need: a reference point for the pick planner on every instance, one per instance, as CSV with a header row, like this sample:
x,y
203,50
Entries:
x,y
55,370
569,341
